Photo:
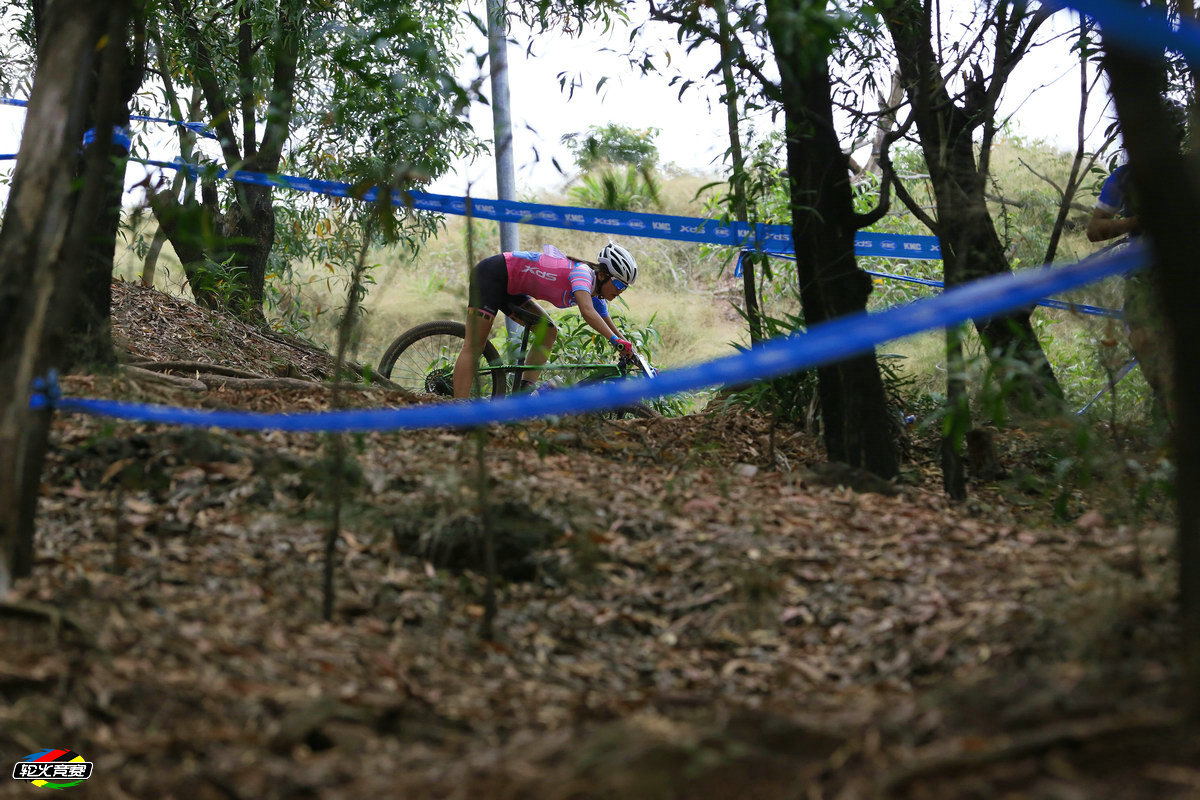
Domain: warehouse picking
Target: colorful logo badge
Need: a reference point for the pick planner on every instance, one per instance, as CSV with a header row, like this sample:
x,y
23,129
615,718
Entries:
x,y
53,769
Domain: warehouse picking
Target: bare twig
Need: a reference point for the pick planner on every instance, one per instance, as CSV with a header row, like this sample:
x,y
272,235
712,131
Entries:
x,y
337,441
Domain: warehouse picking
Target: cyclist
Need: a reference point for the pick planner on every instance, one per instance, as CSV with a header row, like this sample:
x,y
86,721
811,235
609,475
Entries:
x,y
1115,216
514,282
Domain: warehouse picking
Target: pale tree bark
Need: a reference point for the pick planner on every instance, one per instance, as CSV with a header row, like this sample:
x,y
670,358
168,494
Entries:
x,y
42,246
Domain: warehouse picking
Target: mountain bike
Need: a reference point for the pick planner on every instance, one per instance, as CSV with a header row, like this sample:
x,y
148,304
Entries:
x,y
422,360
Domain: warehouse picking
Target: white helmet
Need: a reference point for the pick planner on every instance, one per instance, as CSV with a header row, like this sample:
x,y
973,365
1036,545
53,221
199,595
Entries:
x,y
618,262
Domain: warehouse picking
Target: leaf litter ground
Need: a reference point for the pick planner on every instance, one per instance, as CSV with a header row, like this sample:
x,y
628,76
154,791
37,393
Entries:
x,y
683,614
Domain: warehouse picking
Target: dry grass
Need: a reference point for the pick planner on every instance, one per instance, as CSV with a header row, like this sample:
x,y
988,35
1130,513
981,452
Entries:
x,y
676,286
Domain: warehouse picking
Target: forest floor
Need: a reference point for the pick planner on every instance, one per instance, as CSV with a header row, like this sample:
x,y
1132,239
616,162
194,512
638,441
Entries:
x,y
682,614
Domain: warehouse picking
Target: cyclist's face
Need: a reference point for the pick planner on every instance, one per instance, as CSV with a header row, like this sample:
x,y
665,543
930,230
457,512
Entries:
x,y
608,290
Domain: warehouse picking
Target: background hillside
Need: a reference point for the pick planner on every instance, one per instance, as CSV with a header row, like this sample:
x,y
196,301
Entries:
x,y
687,292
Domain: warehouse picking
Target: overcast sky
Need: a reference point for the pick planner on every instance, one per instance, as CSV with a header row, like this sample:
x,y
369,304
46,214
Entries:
x,y
1043,95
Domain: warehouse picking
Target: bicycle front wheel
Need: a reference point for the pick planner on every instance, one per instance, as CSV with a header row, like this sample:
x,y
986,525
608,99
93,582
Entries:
x,y
422,360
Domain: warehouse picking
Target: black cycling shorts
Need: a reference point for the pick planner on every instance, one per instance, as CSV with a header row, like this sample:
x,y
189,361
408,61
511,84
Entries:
x,y
489,293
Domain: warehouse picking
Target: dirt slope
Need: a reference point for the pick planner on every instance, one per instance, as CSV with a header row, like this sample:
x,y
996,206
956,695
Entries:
x,y
680,615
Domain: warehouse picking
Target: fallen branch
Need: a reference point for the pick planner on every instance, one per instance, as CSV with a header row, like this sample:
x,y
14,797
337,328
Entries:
x,y
193,367
935,764
40,612
220,381
170,380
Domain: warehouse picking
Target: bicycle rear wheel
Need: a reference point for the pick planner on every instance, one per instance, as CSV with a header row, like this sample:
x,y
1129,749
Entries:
x,y
422,360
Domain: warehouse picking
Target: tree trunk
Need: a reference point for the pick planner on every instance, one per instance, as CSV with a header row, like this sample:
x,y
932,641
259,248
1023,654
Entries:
x,y
251,234
88,334
1168,190
227,254
738,163
971,248
42,244
958,410
853,403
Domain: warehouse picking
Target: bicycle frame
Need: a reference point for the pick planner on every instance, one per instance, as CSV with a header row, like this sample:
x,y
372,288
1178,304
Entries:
x,y
599,370
603,370
434,347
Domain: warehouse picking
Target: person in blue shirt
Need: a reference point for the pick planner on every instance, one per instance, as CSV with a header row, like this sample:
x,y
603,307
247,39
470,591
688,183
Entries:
x,y
1115,216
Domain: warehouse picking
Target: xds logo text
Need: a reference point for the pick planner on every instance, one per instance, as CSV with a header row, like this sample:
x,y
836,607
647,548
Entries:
x,y
541,273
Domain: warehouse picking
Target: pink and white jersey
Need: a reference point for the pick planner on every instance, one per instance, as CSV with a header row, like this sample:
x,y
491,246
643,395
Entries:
x,y
552,277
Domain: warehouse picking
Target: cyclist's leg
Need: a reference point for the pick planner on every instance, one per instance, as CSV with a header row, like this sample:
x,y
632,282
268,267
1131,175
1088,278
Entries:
x,y
545,332
489,285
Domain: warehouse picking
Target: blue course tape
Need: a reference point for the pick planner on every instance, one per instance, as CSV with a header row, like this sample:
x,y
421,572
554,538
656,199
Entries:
x,y
1140,28
1048,302
771,238
829,342
198,128
121,137
1081,308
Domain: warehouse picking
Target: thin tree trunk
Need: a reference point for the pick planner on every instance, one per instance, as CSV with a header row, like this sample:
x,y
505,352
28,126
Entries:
x,y
971,248
1079,165
150,265
118,74
958,410
738,179
42,244
230,269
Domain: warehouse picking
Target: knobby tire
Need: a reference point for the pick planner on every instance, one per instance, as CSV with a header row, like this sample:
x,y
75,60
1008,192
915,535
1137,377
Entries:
x,y
409,360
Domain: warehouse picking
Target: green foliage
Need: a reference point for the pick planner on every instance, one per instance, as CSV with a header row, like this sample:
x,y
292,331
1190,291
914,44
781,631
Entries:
x,y
630,189
371,83
578,342
1122,477
331,244
793,397
613,145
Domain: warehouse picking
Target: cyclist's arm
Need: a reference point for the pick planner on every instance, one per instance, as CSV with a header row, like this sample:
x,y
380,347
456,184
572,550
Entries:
x,y
602,325
1106,225
612,327
601,307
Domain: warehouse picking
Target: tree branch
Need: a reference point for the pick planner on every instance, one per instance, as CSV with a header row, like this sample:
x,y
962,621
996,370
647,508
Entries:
x,y
246,81
1045,178
283,84
885,162
889,177
207,77
743,61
